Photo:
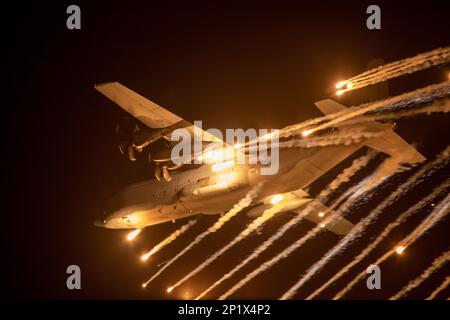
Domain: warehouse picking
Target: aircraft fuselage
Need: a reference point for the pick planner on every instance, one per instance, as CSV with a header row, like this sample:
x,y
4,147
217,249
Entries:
x,y
201,190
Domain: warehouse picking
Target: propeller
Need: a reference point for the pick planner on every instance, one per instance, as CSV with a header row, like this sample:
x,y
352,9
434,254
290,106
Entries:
x,y
134,138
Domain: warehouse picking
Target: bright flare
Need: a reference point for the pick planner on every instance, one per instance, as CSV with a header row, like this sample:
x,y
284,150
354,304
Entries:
x,y
349,85
222,165
321,214
306,133
174,235
400,249
133,234
341,84
339,92
237,146
169,289
145,257
276,198
214,155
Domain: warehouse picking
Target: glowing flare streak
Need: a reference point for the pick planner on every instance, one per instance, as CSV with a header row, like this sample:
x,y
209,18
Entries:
x,y
437,263
413,181
386,231
133,234
356,165
258,222
169,239
425,225
441,287
242,204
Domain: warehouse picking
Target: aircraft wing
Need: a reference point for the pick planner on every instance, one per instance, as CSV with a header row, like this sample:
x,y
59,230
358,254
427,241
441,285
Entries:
x,y
148,112
340,225
320,212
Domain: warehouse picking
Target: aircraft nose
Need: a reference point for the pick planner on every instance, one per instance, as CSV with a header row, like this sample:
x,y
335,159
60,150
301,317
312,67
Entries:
x,y
99,223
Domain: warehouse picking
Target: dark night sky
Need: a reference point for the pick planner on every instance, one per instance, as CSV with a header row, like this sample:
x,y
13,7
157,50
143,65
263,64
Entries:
x,y
231,65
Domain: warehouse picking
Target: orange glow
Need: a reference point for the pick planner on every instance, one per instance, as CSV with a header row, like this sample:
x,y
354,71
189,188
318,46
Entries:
x,y
222,165
145,257
213,156
133,234
276,198
400,249
341,84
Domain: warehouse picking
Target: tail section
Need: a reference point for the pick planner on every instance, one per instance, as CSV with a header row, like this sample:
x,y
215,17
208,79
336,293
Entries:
x,y
392,144
389,143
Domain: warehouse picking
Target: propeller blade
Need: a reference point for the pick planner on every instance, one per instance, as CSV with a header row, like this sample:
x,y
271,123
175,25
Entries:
x,y
158,172
166,174
175,167
131,153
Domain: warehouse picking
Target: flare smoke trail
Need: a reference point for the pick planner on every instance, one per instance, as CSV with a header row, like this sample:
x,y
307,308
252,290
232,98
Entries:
x,y
348,195
422,95
331,219
282,255
343,177
438,106
441,287
399,68
356,231
386,231
357,134
440,211
437,263
344,136
242,204
429,221
258,222
169,239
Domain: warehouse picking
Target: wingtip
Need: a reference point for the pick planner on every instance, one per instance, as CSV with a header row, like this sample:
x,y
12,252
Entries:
x,y
98,85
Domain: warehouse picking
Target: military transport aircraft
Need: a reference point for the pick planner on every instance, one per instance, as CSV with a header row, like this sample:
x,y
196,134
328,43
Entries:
x,y
180,191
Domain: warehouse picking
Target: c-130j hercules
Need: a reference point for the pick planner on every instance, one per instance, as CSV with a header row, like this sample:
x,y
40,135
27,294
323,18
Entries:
x,y
177,192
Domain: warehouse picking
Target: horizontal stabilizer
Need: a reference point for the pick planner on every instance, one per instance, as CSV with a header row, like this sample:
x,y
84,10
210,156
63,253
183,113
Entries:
x,y
389,143
329,106
339,225
392,144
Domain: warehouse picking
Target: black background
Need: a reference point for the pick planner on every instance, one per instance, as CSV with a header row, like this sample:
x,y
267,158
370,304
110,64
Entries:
x,y
257,64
